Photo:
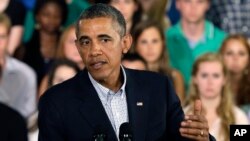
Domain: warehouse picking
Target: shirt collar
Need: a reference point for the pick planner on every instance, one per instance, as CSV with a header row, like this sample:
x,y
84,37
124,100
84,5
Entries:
x,y
209,30
106,90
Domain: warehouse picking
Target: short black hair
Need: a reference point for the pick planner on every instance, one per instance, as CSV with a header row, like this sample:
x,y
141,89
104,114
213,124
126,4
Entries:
x,y
133,57
61,3
103,10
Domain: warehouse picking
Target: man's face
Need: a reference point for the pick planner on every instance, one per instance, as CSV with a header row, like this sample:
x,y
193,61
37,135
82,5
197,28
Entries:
x,y
101,47
192,10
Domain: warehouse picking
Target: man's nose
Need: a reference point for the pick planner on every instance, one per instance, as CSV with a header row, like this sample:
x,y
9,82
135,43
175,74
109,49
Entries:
x,y
95,49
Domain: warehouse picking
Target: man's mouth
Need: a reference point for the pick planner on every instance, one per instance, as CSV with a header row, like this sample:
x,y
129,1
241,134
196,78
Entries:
x,y
98,64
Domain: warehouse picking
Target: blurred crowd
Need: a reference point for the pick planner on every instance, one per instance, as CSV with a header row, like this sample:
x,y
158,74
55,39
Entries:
x,y
201,45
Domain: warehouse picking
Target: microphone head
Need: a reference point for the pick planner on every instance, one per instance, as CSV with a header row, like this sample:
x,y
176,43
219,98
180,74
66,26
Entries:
x,y
125,131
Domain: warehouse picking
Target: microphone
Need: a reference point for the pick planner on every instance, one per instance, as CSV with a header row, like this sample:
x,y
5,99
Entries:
x,y
99,134
125,132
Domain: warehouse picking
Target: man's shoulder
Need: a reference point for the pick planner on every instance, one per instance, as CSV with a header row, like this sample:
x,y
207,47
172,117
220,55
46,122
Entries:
x,y
19,73
17,66
172,31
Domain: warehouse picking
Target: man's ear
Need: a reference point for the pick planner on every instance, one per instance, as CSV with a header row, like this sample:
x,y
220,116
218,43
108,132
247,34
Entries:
x,y
126,43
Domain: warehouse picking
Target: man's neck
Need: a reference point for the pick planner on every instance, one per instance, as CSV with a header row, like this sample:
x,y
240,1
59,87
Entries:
x,y
113,83
193,31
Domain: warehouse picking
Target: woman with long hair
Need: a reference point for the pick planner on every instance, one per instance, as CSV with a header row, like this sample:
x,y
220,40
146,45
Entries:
x,y
149,43
235,51
209,84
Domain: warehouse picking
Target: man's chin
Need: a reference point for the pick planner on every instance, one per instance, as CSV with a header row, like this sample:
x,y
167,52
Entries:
x,y
98,76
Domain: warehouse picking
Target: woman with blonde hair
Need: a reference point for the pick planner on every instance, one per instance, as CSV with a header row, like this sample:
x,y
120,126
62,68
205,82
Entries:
x,y
235,52
209,84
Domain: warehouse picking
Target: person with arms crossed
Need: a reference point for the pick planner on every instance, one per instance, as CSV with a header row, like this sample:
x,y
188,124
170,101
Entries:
x,y
105,94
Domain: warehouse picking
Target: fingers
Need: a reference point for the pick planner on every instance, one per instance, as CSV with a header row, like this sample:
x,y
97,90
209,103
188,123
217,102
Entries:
x,y
197,138
195,126
194,132
197,107
198,118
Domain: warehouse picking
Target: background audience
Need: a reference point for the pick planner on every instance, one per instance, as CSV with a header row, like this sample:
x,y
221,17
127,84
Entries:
x,y
232,16
154,10
149,43
66,47
209,83
16,12
192,36
40,34
18,81
60,71
235,51
39,51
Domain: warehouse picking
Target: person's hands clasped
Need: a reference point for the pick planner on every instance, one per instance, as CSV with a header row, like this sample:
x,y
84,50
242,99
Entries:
x,y
195,126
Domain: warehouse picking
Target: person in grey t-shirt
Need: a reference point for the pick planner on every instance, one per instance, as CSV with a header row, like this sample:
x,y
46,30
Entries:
x,y
18,81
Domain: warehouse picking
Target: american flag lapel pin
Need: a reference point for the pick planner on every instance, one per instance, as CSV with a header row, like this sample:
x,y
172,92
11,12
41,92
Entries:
x,y
139,103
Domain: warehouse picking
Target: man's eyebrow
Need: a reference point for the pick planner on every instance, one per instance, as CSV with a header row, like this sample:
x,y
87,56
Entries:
x,y
83,37
104,36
